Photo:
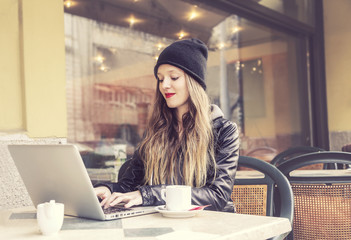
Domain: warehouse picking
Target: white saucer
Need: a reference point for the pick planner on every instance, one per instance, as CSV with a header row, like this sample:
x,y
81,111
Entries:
x,y
176,214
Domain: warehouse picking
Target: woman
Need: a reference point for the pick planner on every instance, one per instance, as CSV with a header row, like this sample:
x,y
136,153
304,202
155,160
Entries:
x,y
187,141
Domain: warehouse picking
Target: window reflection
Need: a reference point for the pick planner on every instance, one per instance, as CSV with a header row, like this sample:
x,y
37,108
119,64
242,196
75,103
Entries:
x,y
301,10
252,75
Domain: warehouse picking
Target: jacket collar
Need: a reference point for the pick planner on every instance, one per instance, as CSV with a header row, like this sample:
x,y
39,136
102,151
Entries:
x,y
216,115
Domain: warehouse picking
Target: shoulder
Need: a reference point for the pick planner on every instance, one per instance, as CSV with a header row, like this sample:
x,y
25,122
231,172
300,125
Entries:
x,y
226,139
221,124
226,133
224,128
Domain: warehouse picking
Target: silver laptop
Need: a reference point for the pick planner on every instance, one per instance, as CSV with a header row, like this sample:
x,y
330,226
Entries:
x,y
57,172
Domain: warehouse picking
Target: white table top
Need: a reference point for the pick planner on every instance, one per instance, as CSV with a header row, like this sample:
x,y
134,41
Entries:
x,y
21,223
321,173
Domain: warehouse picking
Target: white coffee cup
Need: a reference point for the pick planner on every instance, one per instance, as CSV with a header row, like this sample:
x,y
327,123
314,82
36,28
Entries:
x,y
50,217
177,197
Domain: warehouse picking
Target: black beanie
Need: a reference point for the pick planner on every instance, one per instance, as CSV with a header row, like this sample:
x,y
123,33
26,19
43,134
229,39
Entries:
x,y
190,55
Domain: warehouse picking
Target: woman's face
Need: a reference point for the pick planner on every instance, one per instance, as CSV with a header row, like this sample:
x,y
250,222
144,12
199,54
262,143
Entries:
x,y
173,87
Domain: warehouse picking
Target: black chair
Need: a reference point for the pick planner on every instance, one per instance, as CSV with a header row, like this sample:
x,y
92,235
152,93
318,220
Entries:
x,y
255,195
293,152
322,197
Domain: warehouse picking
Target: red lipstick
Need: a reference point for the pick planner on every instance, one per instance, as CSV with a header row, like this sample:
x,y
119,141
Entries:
x,y
168,95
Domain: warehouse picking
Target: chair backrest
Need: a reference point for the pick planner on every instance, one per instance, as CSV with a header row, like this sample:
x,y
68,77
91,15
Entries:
x,y
322,197
255,195
346,148
293,152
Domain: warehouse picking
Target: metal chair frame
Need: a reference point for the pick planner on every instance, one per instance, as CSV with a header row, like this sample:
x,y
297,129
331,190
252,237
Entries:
x,y
293,152
325,157
277,185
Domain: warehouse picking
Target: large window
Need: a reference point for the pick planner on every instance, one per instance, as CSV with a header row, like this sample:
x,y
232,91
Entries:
x,y
301,10
256,74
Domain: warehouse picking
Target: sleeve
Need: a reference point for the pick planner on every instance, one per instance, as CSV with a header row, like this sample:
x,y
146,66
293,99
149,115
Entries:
x,y
218,189
130,176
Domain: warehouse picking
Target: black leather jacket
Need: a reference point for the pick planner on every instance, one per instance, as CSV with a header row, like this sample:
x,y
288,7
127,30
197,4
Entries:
x,y
217,192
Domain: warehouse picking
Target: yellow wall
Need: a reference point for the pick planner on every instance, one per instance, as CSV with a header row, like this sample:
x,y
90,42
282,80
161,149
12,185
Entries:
x,y
337,34
10,81
32,63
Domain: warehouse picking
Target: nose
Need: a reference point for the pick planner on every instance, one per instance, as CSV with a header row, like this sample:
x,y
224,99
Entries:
x,y
166,83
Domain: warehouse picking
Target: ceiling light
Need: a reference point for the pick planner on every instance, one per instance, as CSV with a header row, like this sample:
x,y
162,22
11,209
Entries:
x,y
237,65
236,29
222,45
193,14
99,59
113,50
68,3
104,68
160,46
132,20
182,34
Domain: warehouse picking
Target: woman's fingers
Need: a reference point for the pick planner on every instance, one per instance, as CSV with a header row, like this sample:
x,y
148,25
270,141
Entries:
x,y
103,193
131,203
99,191
130,198
112,198
134,198
103,202
120,198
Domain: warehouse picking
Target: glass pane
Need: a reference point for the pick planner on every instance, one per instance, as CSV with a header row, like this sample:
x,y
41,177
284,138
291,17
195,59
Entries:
x,y
260,88
111,49
301,10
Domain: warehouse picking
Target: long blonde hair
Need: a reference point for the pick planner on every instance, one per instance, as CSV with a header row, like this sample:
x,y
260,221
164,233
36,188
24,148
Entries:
x,y
169,159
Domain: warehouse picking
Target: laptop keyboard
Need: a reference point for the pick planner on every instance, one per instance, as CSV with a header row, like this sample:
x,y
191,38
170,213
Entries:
x,y
115,209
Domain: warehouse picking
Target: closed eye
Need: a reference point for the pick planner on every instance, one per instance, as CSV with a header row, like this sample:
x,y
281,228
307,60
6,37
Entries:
x,y
174,78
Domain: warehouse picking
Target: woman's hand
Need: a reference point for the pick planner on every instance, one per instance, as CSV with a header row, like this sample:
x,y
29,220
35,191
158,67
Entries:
x,y
110,200
103,193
